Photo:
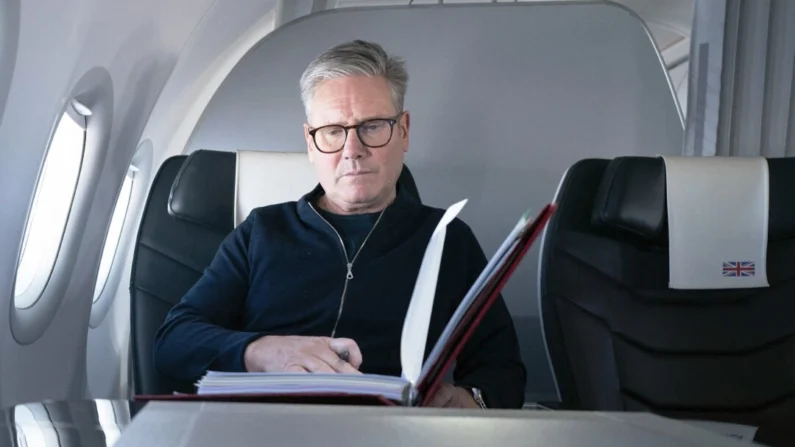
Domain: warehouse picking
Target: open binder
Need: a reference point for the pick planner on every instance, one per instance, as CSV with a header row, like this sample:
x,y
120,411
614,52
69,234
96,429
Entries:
x,y
420,380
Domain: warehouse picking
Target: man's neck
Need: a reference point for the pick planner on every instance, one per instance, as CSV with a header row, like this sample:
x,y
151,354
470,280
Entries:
x,y
327,204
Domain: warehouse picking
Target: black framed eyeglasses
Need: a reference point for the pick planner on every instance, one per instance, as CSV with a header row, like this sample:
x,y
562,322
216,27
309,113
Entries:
x,y
373,133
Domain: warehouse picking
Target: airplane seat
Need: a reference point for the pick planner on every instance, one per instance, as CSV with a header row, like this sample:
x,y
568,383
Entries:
x,y
186,216
194,203
666,286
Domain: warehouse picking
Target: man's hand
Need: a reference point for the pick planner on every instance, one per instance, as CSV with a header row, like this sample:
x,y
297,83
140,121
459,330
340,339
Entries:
x,y
303,354
449,396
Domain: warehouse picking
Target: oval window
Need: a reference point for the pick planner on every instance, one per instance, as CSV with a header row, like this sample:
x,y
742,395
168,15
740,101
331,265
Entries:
x,y
51,205
114,233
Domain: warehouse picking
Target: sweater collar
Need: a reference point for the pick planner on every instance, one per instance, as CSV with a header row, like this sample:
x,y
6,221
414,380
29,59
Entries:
x,y
400,211
403,200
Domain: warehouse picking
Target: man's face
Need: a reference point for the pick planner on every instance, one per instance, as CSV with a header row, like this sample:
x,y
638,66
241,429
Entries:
x,y
357,177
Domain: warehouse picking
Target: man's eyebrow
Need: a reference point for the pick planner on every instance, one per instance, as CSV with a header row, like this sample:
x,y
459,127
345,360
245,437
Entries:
x,y
337,123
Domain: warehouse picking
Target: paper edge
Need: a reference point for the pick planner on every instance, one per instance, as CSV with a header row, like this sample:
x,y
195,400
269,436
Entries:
x,y
417,353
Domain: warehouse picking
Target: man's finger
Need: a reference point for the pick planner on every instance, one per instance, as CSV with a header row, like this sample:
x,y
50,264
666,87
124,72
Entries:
x,y
315,365
295,368
335,361
442,397
345,347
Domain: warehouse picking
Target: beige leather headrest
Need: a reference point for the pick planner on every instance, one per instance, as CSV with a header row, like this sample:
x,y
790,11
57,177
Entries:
x,y
267,178
718,210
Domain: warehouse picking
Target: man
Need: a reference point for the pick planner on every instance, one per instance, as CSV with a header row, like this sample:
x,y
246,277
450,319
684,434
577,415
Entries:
x,y
323,284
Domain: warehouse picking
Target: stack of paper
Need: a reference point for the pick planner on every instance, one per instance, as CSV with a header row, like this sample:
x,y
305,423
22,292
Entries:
x,y
302,383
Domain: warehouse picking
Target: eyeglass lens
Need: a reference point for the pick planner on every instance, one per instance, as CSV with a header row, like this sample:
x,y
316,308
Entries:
x,y
373,133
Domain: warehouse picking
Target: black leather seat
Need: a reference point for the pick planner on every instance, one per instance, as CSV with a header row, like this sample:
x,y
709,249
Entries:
x,y
171,252
620,339
189,211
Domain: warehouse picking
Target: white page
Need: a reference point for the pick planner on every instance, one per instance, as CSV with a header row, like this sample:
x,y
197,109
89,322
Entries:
x,y
418,316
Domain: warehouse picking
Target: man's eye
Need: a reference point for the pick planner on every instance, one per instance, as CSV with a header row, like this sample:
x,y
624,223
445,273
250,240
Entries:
x,y
371,127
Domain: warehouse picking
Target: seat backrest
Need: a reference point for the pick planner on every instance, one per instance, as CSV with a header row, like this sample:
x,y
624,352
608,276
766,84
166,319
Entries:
x,y
624,334
186,216
194,203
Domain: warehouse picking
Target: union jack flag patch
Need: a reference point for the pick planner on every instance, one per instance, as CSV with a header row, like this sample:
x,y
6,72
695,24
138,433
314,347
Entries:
x,y
739,268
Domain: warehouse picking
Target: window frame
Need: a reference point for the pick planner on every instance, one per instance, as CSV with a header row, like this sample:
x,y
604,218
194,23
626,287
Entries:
x,y
141,162
94,91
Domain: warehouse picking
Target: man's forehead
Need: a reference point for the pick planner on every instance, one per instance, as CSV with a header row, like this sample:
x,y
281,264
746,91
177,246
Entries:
x,y
349,101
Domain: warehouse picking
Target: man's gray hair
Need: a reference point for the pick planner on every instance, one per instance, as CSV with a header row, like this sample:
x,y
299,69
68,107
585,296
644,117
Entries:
x,y
355,58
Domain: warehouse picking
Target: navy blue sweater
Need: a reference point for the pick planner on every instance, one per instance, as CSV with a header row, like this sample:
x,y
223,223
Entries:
x,y
282,272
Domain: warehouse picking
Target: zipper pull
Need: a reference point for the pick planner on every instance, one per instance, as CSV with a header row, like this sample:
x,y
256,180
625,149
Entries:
x,y
350,273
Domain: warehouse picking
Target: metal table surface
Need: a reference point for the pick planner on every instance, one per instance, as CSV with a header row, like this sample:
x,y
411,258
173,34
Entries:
x,y
199,424
122,423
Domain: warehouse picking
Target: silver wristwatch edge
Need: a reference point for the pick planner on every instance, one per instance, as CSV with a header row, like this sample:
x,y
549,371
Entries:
x,y
478,396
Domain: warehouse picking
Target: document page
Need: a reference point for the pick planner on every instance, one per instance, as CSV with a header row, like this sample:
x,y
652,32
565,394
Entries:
x,y
418,316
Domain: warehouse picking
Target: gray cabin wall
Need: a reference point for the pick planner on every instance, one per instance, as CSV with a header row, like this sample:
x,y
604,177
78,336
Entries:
x,y
503,99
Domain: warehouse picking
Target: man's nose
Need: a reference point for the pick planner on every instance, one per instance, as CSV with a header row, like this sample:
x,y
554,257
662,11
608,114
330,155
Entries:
x,y
353,147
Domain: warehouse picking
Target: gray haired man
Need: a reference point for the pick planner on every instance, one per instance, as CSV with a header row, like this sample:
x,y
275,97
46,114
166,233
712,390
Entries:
x,y
323,284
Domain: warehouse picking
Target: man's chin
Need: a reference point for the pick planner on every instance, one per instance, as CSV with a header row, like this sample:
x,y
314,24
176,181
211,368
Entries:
x,y
358,179
360,196
359,199
359,191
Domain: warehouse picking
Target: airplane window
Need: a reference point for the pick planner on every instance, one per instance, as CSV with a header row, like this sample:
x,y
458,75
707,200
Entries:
x,y
114,233
51,204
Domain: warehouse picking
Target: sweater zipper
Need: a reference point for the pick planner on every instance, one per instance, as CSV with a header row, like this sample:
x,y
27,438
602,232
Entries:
x,y
348,262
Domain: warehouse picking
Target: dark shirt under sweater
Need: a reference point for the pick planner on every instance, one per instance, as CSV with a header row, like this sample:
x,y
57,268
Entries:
x,y
353,229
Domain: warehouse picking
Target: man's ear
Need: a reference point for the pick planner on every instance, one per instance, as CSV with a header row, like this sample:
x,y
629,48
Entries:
x,y
404,123
310,146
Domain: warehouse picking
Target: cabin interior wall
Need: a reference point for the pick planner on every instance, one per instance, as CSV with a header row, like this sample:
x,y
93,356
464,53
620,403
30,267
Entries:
x,y
222,38
9,36
137,44
497,115
217,43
